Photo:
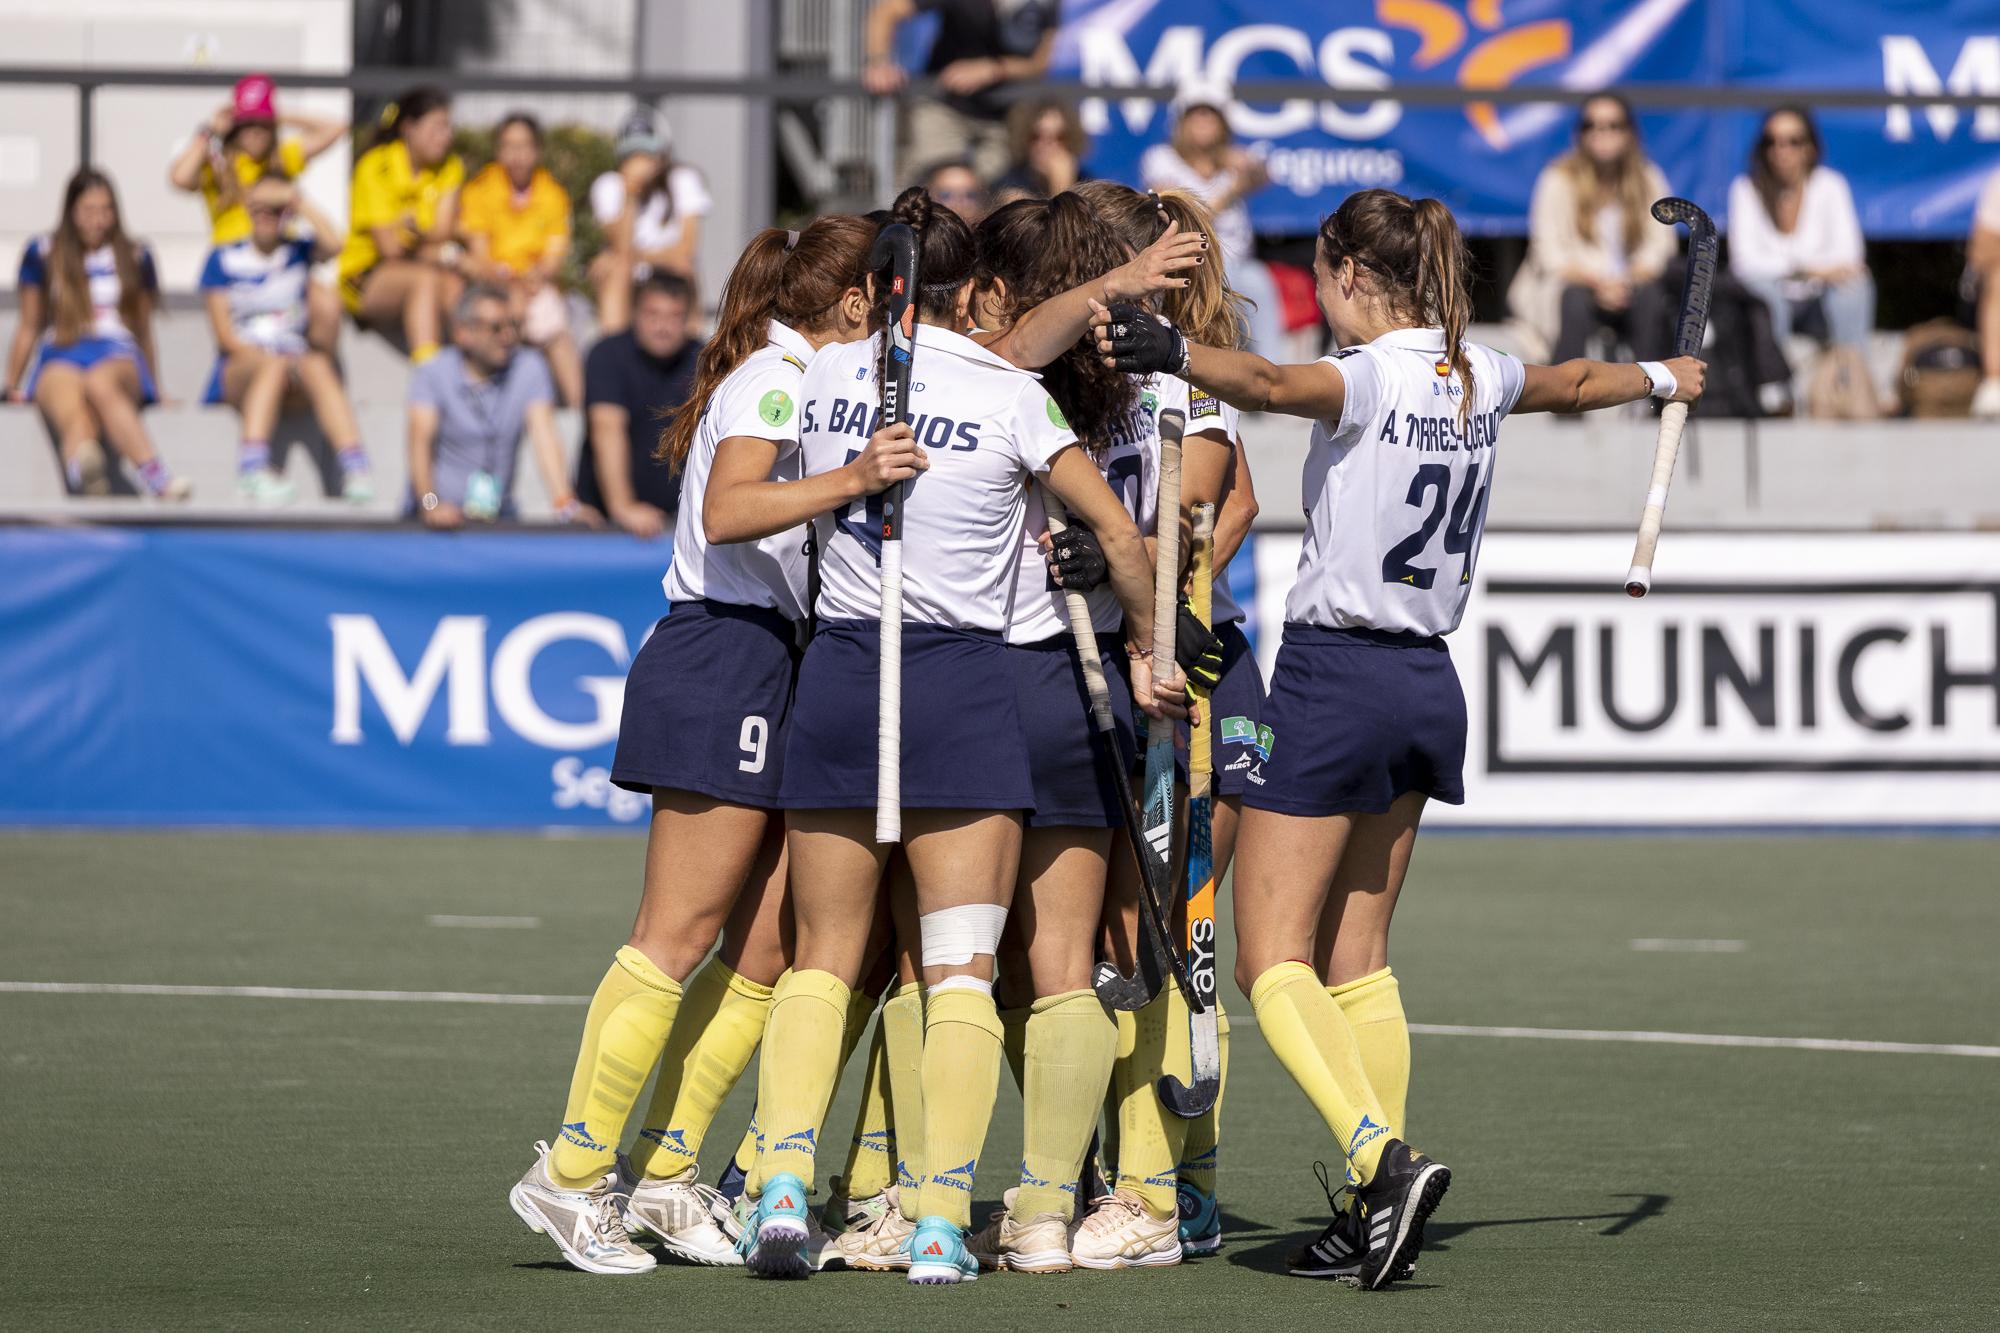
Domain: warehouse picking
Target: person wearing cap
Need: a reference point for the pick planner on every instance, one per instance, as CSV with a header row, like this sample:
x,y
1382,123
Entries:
x,y
1202,157
515,220
981,47
651,209
230,152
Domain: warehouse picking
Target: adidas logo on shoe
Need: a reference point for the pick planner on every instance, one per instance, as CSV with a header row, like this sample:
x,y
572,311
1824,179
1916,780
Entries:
x,y
933,1249
787,1202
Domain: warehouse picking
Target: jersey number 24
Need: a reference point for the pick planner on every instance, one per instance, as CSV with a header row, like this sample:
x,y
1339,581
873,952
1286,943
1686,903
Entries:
x,y
1432,486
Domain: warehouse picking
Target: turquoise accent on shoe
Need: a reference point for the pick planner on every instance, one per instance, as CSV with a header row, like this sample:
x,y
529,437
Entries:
x,y
774,1243
938,1255
1201,1220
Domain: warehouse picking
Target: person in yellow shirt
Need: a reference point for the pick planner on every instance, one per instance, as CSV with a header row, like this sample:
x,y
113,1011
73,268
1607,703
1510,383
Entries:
x,y
231,151
399,268
516,224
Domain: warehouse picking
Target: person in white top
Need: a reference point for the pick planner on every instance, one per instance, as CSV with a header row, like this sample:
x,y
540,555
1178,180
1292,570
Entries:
x,y
651,209
987,430
1982,259
1365,716
1794,236
703,731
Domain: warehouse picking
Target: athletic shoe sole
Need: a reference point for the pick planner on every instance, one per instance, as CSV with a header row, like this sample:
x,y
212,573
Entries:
x,y
1040,1261
939,1275
1157,1259
523,1204
1427,1192
1202,1247
871,1264
779,1250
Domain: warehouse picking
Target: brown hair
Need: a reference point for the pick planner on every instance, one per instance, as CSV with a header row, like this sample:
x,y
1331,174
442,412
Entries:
x,y
411,107
796,284
1206,310
1021,120
69,285
1041,248
1764,180
1630,183
1417,259
946,257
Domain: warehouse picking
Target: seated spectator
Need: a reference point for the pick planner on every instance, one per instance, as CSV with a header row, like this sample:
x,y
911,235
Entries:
x,y
87,294
1595,254
256,292
1982,260
955,185
398,271
1045,149
651,210
1795,238
517,232
982,46
232,150
1202,158
634,383
469,407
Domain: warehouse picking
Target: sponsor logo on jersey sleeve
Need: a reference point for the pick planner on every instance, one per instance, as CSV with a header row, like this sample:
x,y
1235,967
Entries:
x,y
775,408
1056,417
1202,404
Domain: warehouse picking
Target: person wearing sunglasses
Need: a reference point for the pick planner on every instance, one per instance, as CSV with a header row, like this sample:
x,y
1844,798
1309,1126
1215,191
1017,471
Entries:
x,y
957,186
258,292
1595,254
1795,242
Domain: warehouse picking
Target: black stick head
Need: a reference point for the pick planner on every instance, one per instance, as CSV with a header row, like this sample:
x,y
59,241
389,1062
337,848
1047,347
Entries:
x,y
895,249
1674,209
1123,993
1185,1100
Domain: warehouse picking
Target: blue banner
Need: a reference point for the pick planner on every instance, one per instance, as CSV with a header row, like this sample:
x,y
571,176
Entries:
x,y
1916,172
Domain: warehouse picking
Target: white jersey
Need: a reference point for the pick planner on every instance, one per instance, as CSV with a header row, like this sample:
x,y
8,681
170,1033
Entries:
x,y
987,427
758,399
1396,490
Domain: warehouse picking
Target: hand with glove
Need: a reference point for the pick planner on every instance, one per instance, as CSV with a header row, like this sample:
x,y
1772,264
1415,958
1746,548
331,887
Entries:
x,y
1197,650
1133,339
1075,559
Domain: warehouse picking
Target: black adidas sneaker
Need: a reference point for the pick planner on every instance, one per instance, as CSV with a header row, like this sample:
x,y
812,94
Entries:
x,y
1390,1211
1336,1252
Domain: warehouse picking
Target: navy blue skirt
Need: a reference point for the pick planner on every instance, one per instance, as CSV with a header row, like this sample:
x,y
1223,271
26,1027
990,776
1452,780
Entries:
x,y
963,745
708,704
1356,718
1234,710
1073,789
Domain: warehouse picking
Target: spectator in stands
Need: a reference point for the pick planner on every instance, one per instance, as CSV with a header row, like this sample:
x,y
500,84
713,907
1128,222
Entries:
x,y
517,235
87,293
1045,149
1795,238
469,407
636,380
1595,254
398,271
1982,259
955,185
651,209
1202,157
256,292
981,47
231,151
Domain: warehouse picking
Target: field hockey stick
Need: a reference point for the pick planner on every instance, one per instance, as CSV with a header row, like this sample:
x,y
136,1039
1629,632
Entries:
x,y
1157,959
1204,1041
1155,834
895,250
1702,255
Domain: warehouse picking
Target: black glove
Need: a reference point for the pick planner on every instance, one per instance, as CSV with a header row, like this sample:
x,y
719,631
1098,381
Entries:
x,y
1197,650
1142,343
1076,556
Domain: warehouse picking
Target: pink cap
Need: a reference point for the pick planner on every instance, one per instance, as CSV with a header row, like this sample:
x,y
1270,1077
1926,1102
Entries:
x,y
253,99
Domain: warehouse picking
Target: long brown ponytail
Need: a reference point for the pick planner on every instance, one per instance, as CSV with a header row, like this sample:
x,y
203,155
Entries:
x,y
69,283
1416,257
1206,310
795,281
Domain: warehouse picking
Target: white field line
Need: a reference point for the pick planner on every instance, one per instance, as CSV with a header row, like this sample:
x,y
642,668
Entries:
x,y
1420,1029
1689,946
488,922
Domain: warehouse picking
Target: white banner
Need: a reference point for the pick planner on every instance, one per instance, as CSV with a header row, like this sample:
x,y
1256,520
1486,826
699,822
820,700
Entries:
x,y
1769,679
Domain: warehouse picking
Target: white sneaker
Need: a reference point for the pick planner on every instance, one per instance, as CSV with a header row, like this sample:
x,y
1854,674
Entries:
x,y
879,1246
176,489
357,487
585,1224
1986,399
265,487
843,1214
691,1220
1036,1244
1120,1232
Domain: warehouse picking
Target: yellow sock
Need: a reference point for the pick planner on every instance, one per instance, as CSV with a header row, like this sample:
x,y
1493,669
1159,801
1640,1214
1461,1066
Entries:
x,y
1114,1102
962,1053
1374,1008
1014,1024
1311,1038
801,1064
903,1060
868,1166
720,1024
747,1147
1150,1138
1200,1155
1071,1041
623,1036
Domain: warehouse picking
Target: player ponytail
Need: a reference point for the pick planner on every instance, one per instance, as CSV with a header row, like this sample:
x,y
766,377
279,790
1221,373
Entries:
x,y
945,258
1414,257
1034,249
1206,310
796,278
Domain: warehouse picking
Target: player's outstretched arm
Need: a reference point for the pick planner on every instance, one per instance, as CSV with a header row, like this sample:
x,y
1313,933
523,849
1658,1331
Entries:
x,y
1585,386
1052,328
743,504
1136,341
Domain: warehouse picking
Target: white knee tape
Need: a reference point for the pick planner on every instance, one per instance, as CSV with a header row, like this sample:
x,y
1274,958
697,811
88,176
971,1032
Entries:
x,y
954,936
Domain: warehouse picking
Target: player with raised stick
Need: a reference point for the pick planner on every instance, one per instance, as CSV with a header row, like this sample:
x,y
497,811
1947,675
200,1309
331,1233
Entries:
x,y
1366,715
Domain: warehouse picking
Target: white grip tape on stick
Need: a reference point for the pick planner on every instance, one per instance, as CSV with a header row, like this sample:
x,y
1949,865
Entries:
x,y
1167,573
1082,630
889,702
1665,453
